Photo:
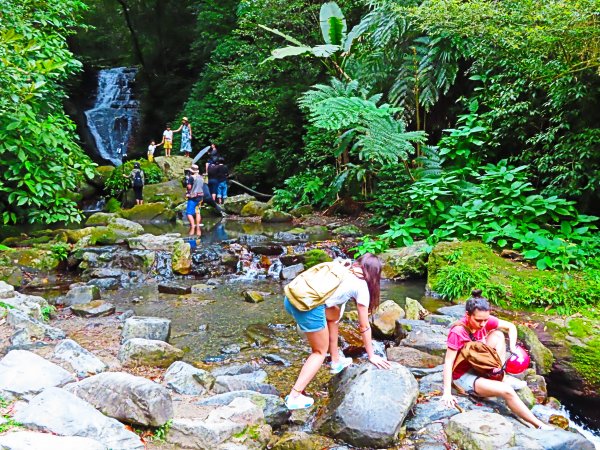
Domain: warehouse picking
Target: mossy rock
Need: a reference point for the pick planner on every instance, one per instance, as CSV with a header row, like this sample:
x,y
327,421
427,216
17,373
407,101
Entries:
x,y
101,174
253,208
170,192
181,259
33,258
299,440
120,224
539,353
348,231
304,210
87,190
11,274
25,241
108,236
150,212
100,218
586,361
235,204
173,166
317,230
113,206
75,236
406,262
274,216
315,256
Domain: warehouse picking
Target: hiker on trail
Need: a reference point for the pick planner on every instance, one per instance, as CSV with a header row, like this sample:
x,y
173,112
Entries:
x,y
151,149
316,299
137,183
168,140
186,137
194,195
222,173
479,326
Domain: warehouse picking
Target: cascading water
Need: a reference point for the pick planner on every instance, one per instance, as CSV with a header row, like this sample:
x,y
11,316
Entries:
x,y
112,119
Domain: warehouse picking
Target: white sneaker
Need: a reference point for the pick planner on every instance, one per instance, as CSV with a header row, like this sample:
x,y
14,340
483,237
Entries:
x,y
299,402
514,383
340,365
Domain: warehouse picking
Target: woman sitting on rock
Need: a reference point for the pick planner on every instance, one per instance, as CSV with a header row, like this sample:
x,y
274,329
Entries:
x,y
479,325
319,320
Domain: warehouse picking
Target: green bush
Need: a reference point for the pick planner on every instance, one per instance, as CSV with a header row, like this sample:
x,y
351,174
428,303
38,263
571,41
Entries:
x,y
313,187
112,205
116,184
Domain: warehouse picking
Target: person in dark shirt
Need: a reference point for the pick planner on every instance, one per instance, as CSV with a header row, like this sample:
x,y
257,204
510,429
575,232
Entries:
x,y
222,173
213,182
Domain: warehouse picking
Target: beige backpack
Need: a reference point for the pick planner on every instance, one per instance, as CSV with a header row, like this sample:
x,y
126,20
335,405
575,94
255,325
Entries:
x,y
314,286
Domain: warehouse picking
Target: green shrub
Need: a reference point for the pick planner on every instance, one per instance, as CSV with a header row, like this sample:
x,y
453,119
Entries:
x,y
112,205
313,187
116,184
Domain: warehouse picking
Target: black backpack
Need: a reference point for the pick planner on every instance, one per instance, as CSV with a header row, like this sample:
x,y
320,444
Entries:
x,y
138,181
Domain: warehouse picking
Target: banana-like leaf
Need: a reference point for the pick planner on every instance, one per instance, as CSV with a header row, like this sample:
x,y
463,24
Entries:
x,y
324,51
333,23
284,52
287,37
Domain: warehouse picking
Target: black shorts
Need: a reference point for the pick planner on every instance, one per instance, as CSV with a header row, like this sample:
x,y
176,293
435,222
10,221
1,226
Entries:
x,y
138,191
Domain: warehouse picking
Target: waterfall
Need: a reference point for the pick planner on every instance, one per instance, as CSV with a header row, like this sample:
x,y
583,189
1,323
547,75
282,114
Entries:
x,y
112,119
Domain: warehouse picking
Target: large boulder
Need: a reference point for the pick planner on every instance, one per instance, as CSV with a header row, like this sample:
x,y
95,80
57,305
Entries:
x,y
384,319
254,208
414,309
128,226
30,304
126,397
99,218
274,216
148,352
60,412
170,192
434,409
155,328
163,242
541,355
80,293
34,328
411,357
24,374
6,291
181,259
368,406
30,440
244,382
186,379
406,262
235,204
534,439
429,339
150,212
173,167
96,308
479,430
82,361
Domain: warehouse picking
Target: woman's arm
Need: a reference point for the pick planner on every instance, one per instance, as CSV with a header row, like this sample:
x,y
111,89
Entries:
x,y
511,329
178,129
447,396
365,331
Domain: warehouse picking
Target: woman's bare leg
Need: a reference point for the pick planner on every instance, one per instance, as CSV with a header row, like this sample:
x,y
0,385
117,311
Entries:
x,y
496,339
332,315
492,388
319,341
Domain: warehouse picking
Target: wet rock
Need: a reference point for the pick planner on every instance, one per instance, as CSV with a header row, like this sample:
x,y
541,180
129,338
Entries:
x,y
411,357
60,412
30,440
253,296
384,320
274,216
171,287
414,310
226,423
274,409
126,397
186,379
253,208
268,250
24,374
237,369
406,262
243,382
431,437
97,308
235,204
430,340
545,413
457,311
154,328
434,409
148,352
34,328
259,333
476,430
303,210
348,231
276,359
100,218
376,423
537,384
290,260
299,440
82,362
80,293
105,283
293,236
541,355
291,272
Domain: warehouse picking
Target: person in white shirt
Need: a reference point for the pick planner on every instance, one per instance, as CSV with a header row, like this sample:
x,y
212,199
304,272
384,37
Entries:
x,y
320,325
168,140
151,149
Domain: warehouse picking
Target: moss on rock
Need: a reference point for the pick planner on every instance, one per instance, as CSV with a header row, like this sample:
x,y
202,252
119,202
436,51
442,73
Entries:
x,y
586,361
315,256
150,212
100,218
253,208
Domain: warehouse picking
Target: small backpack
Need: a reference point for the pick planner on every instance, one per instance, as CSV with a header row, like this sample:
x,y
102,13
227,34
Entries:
x,y
314,286
482,358
138,181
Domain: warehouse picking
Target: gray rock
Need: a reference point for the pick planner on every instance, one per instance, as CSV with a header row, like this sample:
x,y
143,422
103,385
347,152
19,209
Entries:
x,y
434,409
420,372
274,409
271,358
60,412
479,430
83,362
126,315
30,440
431,383
201,288
291,272
20,338
6,290
148,352
30,304
80,293
457,311
384,319
154,328
235,204
164,242
235,369
24,374
105,283
126,397
414,310
243,382
406,262
557,439
438,319
19,320
186,379
375,422
430,340
118,223
96,308
168,287
231,349
411,357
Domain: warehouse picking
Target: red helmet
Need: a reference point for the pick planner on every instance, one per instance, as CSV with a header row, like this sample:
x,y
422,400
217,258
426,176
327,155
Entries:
x,y
518,361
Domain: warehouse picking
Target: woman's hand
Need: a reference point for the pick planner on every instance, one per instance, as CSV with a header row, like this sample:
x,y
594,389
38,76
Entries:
x,y
379,362
449,400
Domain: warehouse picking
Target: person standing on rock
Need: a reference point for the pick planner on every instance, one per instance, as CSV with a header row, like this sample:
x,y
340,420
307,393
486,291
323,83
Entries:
x,y
194,195
186,137
359,282
168,140
479,325
137,183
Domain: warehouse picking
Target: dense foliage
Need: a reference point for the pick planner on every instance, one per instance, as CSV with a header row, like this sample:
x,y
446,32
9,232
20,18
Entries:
x,y
116,184
40,159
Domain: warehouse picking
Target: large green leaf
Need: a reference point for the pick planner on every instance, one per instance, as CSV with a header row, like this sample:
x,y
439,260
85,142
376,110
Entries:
x,y
324,51
284,52
283,35
333,23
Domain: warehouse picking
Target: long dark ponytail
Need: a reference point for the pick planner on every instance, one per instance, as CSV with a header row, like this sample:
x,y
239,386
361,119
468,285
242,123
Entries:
x,y
371,268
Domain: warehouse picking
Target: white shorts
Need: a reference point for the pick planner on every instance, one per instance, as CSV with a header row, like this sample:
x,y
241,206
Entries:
x,y
467,381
